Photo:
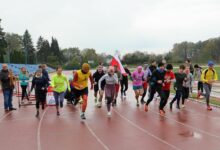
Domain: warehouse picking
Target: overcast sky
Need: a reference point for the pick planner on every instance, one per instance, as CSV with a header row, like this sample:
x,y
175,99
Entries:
x,y
107,25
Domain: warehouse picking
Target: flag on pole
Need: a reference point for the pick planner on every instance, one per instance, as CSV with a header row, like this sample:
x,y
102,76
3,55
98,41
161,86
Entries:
x,y
116,62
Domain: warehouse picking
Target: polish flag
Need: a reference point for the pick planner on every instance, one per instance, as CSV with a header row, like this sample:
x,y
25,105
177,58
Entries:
x,y
116,62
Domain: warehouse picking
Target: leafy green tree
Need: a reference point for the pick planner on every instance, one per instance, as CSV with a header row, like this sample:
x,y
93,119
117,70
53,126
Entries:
x,y
3,43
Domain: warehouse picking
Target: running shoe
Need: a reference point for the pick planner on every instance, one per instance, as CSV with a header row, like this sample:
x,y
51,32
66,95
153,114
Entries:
x,y
209,108
83,116
58,113
109,114
99,104
146,107
161,112
183,106
137,104
198,95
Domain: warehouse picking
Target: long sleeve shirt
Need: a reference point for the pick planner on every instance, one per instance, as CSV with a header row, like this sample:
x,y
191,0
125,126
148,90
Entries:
x,y
109,79
60,83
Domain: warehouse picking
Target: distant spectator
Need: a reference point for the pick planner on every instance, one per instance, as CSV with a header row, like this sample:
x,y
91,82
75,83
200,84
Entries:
x,y
8,82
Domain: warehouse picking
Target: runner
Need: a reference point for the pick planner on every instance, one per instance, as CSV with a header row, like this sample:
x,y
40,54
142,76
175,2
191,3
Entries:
x,y
96,77
59,83
197,77
80,83
187,84
168,79
117,85
147,74
137,77
24,78
157,81
124,81
209,76
180,77
110,79
40,84
152,68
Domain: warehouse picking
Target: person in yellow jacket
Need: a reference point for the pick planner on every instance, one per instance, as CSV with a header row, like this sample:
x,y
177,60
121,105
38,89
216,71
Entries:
x,y
59,83
80,83
208,77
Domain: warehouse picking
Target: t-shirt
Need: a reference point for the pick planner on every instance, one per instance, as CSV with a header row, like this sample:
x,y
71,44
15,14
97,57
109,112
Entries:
x,y
168,76
180,77
137,78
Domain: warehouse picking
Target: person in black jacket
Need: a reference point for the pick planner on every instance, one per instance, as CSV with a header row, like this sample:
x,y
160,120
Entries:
x,y
97,76
40,84
7,82
157,81
124,81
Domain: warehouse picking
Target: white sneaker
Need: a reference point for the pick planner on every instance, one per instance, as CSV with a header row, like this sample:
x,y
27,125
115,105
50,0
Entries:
x,y
109,114
183,106
99,104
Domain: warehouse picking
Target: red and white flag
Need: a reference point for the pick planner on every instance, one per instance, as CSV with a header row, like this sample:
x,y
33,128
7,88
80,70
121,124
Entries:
x,y
116,62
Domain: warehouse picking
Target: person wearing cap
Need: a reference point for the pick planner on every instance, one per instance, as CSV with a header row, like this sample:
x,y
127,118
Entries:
x,y
208,77
7,82
124,81
110,81
137,78
40,84
157,82
59,84
80,89
96,77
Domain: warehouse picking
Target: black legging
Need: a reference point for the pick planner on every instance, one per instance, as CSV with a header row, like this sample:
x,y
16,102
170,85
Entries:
x,y
200,86
166,94
124,85
24,92
152,92
185,94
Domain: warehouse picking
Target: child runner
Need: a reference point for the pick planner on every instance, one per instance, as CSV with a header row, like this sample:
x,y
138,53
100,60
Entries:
x,y
40,84
24,78
180,77
186,86
59,83
197,77
137,77
80,83
168,79
96,77
110,80
157,81
209,76
117,85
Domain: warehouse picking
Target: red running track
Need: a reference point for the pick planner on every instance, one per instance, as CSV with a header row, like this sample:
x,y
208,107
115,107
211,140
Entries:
x,y
129,128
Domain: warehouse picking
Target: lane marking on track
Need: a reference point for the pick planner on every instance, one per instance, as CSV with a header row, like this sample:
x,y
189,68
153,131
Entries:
x,y
38,131
96,137
145,131
4,116
189,126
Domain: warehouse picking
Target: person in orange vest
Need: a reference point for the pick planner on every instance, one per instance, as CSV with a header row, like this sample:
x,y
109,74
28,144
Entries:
x,y
80,83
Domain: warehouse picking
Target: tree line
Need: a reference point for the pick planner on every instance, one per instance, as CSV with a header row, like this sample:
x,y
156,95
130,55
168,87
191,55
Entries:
x,y
15,48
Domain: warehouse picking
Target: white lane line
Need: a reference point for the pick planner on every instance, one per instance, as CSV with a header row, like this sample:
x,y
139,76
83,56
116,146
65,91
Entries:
x,y
189,126
145,131
4,116
38,131
96,137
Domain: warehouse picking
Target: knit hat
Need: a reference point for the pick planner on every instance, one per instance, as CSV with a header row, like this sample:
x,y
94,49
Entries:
x,y
86,66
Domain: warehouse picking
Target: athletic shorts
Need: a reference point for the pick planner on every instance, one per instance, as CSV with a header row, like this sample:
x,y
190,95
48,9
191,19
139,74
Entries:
x,y
137,88
117,88
79,93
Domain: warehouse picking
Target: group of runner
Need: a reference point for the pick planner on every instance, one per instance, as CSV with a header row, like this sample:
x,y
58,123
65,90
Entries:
x,y
152,79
